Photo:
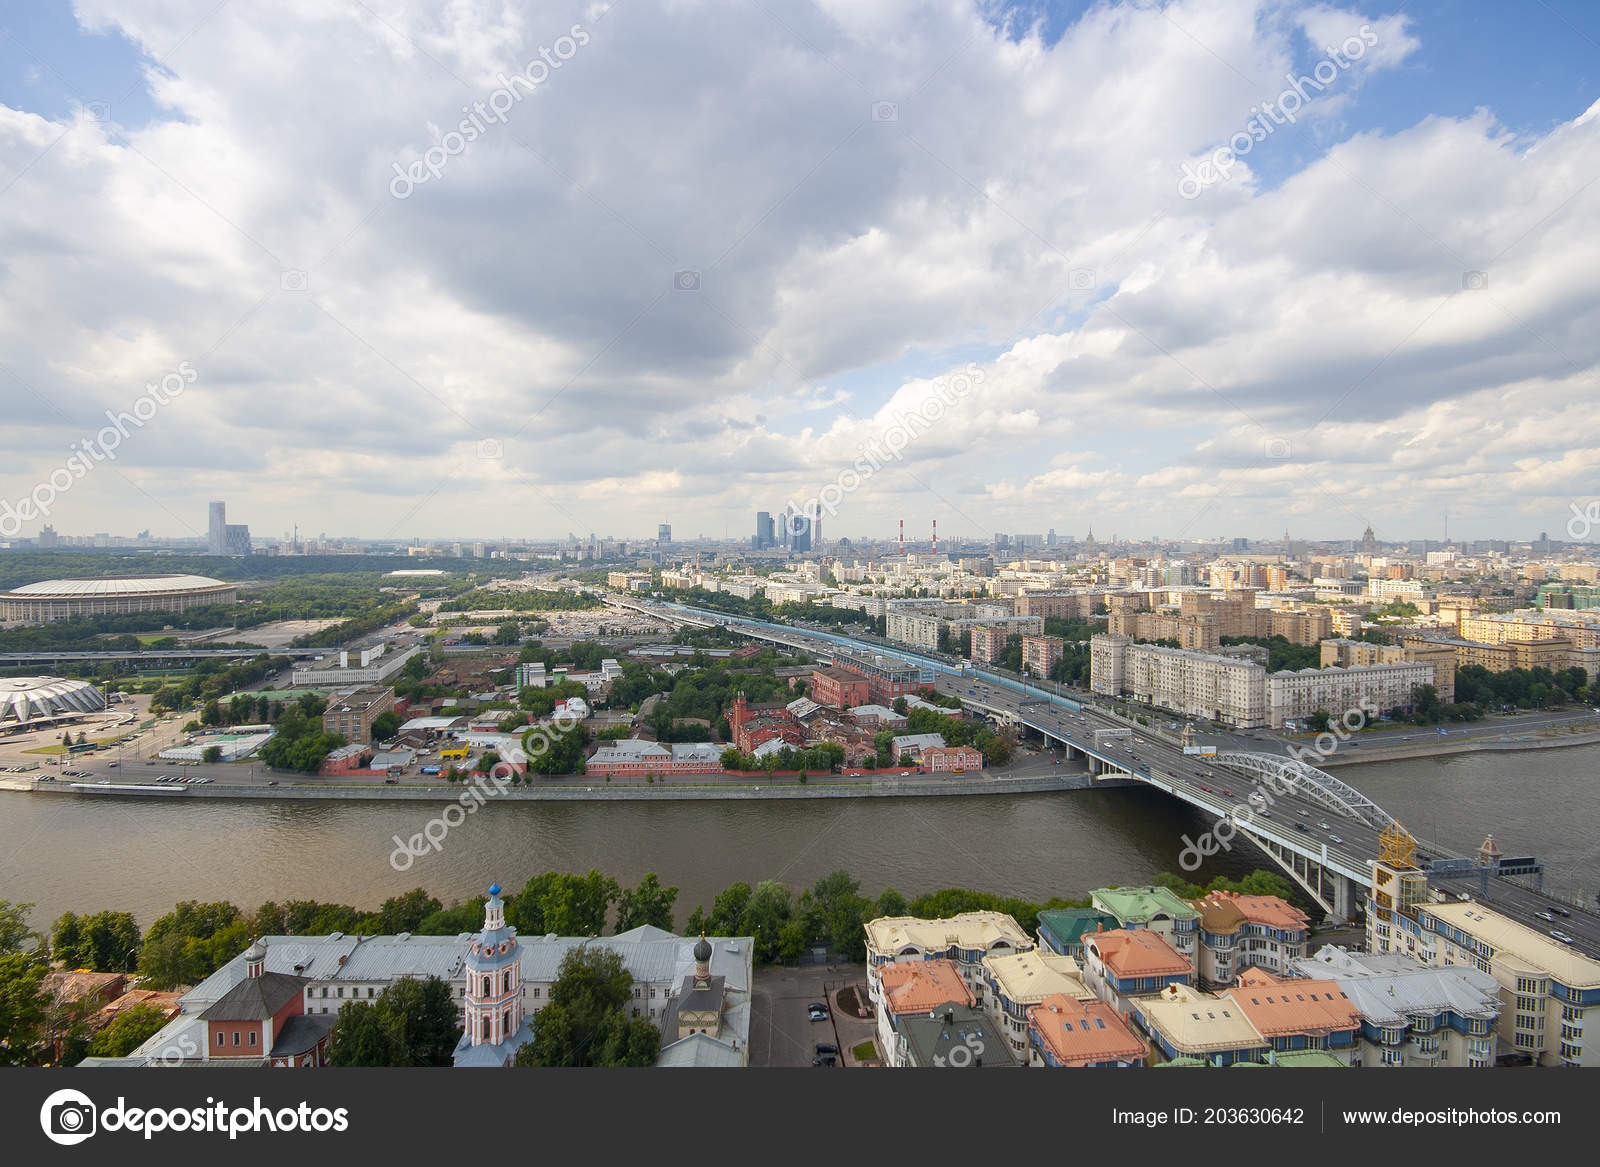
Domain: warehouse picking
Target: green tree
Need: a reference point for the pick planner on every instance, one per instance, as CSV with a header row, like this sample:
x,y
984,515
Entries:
x,y
105,941
649,903
191,942
24,1002
840,908
128,1031
586,1022
211,754
411,1023
385,725
15,935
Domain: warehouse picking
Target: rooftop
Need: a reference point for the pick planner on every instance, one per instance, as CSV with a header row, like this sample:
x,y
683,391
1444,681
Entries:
x,y
1030,977
1278,1007
1198,1023
920,985
1140,953
898,935
1532,949
1388,986
1139,905
1079,1032
1068,925
1225,911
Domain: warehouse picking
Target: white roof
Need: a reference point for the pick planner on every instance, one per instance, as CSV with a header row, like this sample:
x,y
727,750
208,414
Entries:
x,y
130,586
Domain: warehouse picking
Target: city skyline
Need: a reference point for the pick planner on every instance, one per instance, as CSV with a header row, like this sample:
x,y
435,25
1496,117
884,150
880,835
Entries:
x,y
1253,307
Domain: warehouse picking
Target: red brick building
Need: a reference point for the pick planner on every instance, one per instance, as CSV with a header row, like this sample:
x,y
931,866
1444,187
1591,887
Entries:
x,y
839,688
988,644
263,1019
755,725
947,759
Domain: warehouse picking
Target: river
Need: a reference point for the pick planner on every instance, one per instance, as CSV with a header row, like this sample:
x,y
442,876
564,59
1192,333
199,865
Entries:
x,y
85,854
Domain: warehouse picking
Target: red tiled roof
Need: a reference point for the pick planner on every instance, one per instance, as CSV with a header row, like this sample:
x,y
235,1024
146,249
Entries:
x,y
1137,953
916,986
1080,1032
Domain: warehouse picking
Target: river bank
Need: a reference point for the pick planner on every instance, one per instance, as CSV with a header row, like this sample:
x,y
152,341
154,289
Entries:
x,y
930,788
1445,749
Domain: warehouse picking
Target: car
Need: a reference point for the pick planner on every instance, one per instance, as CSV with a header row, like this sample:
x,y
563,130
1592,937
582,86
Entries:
x,y
1561,912
826,1049
1301,827
1207,789
391,781
111,764
1547,916
825,1060
1558,934
274,782
1335,839
1266,814
1226,793
818,1013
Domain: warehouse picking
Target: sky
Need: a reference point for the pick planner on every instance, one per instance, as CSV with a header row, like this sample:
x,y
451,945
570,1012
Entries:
x,y
1186,270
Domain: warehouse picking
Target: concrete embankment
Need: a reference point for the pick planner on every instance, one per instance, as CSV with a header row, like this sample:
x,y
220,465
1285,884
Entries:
x,y
1442,749
573,790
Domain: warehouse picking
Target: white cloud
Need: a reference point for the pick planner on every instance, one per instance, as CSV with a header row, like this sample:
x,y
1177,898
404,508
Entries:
x,y
528,291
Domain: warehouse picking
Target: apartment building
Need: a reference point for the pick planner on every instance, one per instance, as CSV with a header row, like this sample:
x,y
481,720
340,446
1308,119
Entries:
x,y
1018,981
965,939
1066,1031
988,644
1241,931
351,715
1158,909
1343,653
1296,694
1120,965
1412,1014
1292,1013
1547,990
1061,930
1190,1027
1215,687
1040,654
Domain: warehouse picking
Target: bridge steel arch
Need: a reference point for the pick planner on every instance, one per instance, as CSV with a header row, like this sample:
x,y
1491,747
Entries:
x,y
1317,785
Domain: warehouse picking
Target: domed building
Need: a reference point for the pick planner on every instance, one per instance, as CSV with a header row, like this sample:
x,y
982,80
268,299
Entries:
x,y
66,599
27,701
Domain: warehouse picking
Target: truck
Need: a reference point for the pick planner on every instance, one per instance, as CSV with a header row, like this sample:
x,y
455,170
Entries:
x,y
429,770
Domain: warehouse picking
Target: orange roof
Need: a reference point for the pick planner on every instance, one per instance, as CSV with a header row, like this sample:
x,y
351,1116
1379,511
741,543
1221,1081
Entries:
x,y
1223,911
166,1002
1279,1006
917,986
1137,953
1081,1032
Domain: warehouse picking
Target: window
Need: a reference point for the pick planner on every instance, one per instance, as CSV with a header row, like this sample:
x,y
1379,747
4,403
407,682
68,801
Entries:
x,y
235,1037
219,1039
252,1037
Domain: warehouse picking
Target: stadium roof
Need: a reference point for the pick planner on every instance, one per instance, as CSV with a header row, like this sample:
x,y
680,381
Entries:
x,y
130,585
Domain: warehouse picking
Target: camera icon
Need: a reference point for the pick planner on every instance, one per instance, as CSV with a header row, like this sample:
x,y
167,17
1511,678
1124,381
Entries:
x,y
491,448
1474,281
1278,448
68,1117
686,280
99,111
1081,279
293,280
885,111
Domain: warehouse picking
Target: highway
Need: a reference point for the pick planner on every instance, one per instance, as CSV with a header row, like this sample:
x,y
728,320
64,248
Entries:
x,y
1336,840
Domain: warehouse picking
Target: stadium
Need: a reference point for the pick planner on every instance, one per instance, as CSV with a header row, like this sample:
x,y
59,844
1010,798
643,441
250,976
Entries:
x,y
26,701
65,599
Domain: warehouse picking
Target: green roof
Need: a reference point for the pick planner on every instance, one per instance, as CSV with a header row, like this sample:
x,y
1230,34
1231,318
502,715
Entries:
x,y
1183,1063
1137,904
1315,1058
1069,925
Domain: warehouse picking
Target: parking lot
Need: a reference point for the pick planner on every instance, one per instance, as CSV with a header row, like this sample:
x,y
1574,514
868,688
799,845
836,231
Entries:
x,y
781,1031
